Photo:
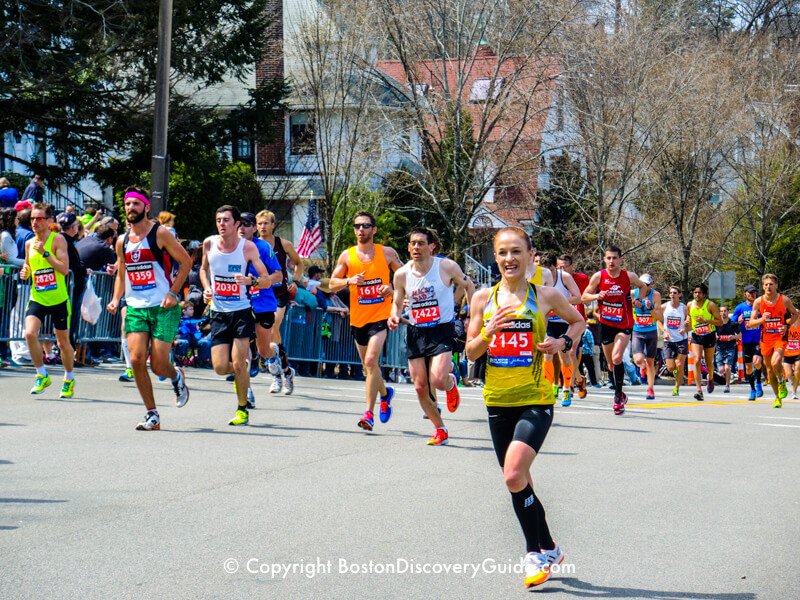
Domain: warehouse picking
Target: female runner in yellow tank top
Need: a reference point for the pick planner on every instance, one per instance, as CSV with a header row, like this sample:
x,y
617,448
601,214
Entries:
x,y
508,322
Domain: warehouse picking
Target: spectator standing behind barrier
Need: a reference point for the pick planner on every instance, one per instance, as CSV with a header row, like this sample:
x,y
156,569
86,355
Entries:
x,y
8,194
97,250
35,190
167,219
24,231
8,242
68,223
191,346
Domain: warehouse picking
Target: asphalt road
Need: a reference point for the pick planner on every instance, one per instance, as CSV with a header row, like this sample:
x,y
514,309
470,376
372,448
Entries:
x,y
671,500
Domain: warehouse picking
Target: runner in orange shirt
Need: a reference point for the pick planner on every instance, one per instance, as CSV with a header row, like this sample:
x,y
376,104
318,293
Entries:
x,y
365,268
771,310
791,358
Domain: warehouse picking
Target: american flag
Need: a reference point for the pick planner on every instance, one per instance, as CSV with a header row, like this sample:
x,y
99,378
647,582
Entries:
x,y
312,236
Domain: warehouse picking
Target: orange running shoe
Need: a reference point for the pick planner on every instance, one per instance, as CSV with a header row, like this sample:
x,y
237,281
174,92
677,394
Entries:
x,y
453,397
439,437
582,387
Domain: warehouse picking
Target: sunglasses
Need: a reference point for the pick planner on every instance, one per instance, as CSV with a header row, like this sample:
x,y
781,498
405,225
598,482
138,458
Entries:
x,y
35,219
362,226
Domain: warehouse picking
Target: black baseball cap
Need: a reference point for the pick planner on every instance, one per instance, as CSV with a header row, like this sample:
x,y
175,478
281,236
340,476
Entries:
x,y
248,219
66,219
750,288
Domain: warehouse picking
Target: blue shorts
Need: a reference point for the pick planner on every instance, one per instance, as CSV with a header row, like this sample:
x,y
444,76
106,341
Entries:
x,y
725,356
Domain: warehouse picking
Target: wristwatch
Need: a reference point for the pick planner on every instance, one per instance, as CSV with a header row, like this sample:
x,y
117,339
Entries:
x,y
567,342
45,254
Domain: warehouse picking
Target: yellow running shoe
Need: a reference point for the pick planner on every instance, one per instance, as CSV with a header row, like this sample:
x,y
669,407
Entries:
x,y
68,388
42,381
242,418
777,403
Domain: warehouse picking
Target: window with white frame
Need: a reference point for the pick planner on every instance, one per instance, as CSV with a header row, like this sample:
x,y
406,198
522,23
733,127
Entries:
x,y
303,135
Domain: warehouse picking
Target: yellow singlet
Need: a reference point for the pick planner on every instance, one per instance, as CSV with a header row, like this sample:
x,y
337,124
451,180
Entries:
x,y
514,375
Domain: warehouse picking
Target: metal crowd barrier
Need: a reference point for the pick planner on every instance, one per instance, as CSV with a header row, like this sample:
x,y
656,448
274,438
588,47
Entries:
x,y
108,326
302,335
308,335
14,296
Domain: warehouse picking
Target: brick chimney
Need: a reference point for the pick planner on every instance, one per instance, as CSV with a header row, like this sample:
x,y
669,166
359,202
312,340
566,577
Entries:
x,y
271,158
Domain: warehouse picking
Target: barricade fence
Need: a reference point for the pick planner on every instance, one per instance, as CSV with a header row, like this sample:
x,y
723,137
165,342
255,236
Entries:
x,y
313,336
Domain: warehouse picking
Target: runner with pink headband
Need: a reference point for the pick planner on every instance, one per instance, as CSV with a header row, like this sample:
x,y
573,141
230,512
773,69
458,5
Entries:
x,y
138,196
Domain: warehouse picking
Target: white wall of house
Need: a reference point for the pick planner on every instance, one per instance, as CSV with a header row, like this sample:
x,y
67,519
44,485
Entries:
x,y
26,147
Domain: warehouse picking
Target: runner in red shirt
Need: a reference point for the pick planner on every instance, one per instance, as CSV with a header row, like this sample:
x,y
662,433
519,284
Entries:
x,y
611,288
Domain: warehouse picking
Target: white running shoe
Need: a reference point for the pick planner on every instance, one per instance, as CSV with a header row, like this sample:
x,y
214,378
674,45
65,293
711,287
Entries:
x,y
536,568
251,398
554,556
288,381
181,391
274,365
277,384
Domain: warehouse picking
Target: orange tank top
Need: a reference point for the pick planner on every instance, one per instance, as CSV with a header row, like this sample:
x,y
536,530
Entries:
x,y
773,327
366,303
793,341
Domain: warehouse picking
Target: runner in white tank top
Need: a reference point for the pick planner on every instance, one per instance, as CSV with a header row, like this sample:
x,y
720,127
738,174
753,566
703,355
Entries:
x,y
562,364
676,342
224,276
427,283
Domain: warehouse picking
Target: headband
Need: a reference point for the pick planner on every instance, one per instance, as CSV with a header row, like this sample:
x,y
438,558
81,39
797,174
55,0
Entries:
x,y
138,196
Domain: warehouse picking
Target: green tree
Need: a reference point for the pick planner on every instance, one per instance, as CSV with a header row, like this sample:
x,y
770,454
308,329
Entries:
x,y
79,76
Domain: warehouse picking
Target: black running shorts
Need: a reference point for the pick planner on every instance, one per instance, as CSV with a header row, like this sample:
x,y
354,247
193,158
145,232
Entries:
x,y
362,334
608,333
526,424
429,341
749,350
58,312
265,319
228,326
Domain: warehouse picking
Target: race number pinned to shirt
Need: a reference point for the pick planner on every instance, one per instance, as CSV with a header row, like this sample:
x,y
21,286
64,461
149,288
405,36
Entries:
x,y
793,345
612,311
702,329
513,347
643,320
45,280
226,289
674,323
142,276
368,292
773,324
424,307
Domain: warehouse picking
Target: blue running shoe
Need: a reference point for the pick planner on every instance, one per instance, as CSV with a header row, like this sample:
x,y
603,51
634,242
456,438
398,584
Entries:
x,y
254,370
752,395
759,389
386,405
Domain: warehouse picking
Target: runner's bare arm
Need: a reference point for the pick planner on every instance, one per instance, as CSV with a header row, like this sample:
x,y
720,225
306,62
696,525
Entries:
x,y
574,290
205,277
716,319
547,277
296,259
59,259
589,294
658,312
644,289
458,279
756,318
25,271
392,258
119,280
552,299
168,242
478,339
399,296
338,276
791,309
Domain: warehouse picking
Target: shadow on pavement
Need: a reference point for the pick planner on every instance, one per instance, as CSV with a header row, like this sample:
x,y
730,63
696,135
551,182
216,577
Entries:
x,y
30,501
576,587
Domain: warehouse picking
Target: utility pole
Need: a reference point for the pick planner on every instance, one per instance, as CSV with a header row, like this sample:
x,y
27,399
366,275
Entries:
x,y
158,166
